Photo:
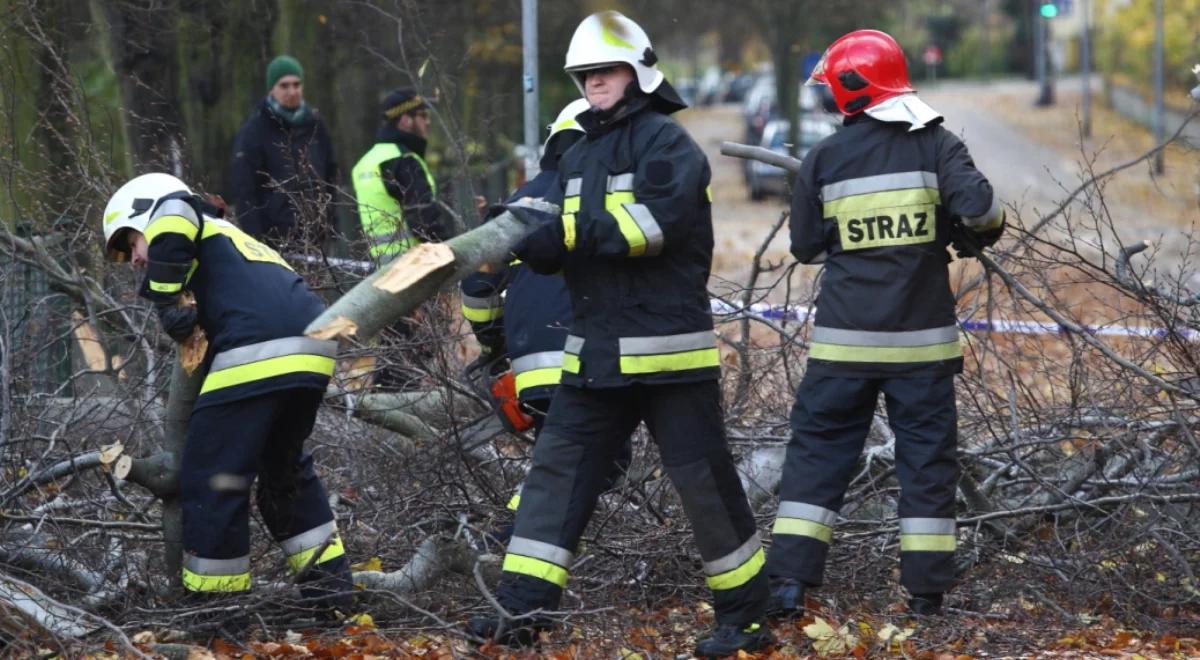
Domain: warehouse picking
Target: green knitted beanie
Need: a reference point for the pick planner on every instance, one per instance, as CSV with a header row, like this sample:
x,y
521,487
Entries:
x,y
284,65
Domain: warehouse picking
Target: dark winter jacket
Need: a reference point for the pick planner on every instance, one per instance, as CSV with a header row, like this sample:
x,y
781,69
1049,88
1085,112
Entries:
x,y
252,306
881,203
276,166
634,243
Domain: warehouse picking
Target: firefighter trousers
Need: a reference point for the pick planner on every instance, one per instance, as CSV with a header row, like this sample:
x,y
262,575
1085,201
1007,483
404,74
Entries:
x,y
538,409
584,434
229,447
830,422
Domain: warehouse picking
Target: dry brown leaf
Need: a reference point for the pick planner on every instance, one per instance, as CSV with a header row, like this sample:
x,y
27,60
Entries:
x,y
192,350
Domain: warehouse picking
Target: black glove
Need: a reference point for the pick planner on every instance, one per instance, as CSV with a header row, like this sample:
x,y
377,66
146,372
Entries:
x,y
178,322
968,242
543,249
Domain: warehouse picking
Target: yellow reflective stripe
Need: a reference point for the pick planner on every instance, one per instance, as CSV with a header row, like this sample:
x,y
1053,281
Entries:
x,y
568,222
801,527
612,39
542,570
571,205
885,354
538,377
630,230
570,363
482,315
928,542
216,583
514,501
269,368
740,575
869,203
171,224
648,364
332,551
166,287
708,193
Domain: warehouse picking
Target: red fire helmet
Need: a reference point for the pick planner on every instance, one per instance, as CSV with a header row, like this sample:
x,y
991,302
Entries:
x,y
863,68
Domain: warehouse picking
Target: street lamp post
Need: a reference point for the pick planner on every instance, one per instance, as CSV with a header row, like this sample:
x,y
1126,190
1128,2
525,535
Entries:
x,y
1160,128
1040,38
529,40
1085,47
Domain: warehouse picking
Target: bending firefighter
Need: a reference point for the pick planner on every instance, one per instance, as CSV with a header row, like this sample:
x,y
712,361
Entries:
x,y
634,243
521,317
879,202
264,383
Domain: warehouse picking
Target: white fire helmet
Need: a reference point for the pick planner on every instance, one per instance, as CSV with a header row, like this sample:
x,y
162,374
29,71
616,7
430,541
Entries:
x,y
566,119
130,206
607,38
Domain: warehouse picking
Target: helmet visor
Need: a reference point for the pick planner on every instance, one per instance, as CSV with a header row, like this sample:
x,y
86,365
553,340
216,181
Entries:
x,y
817,77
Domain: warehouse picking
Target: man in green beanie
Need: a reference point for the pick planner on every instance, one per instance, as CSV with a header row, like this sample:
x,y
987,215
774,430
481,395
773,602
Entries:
x,y
283,173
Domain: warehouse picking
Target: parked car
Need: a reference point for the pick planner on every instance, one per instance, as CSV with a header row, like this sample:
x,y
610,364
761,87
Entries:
x,y
759,107
739,85
763,179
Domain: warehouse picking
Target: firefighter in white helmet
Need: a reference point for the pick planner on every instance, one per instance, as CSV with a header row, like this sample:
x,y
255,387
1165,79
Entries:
x,y
256,407
634,243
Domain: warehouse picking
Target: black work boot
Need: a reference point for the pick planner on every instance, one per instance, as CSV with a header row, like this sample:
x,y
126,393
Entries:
x,y
328,589
520,596
787,598
925,604
728,639
522,630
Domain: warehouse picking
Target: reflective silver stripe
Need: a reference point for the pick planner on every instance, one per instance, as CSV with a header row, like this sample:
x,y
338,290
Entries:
x,y
878,183
620,182
574,344
482,303
540,550
313,538
944,335
273,348
990,216
942,526
216,567
649,226
176,207
807,512
543,360
733,559
690,341
574,187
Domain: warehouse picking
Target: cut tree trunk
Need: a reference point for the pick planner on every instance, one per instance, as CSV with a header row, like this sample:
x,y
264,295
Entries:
x,y
401,285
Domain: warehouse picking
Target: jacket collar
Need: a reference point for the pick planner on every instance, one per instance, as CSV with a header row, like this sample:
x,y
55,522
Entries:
x,y
597,122
410,141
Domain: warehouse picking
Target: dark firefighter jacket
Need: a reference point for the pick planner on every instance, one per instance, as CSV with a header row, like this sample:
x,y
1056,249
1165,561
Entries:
x,y
880,204
252,306
522,313
634,243
274,165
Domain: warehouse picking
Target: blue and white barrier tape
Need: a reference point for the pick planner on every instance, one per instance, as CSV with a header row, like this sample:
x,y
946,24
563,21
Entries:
x,y
802,313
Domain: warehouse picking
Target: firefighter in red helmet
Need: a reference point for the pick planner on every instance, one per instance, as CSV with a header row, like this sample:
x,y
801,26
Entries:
x,y
878,203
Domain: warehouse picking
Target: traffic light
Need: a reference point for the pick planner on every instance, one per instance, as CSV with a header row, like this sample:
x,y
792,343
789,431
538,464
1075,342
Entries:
x,y
1049,9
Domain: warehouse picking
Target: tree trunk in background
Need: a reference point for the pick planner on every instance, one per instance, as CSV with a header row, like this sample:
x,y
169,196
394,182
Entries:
x,y
144,45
